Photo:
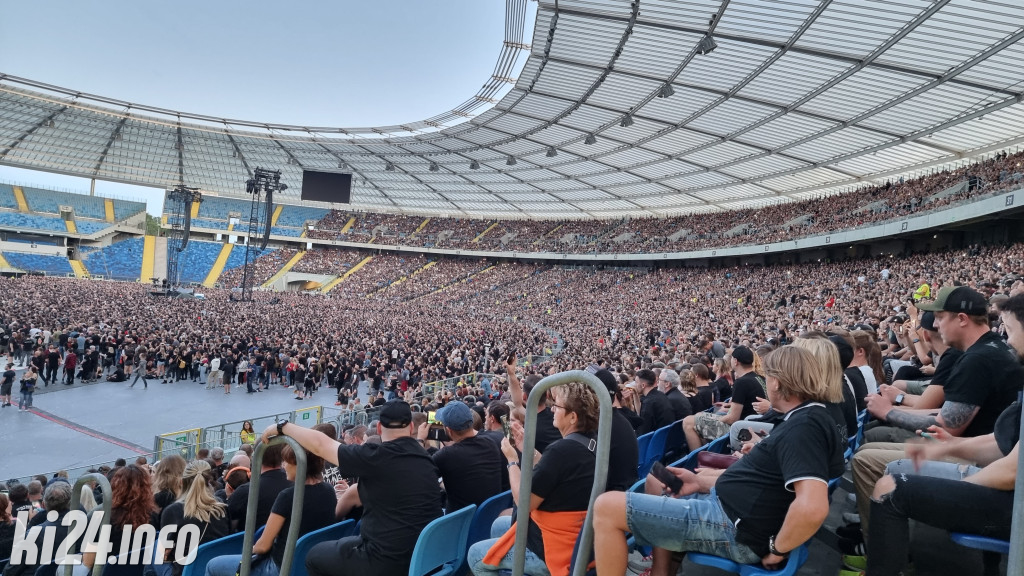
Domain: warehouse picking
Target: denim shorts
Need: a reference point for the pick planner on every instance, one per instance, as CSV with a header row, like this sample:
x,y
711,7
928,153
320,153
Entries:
x,y
694,523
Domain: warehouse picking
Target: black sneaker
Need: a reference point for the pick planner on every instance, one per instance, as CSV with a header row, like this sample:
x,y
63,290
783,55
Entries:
x,y
853,546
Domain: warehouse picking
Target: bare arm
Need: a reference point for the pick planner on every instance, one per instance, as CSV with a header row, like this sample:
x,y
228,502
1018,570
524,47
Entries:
x,y
954,417
347,501
1001,474
266,542
805,515
515,387
312,440
735,411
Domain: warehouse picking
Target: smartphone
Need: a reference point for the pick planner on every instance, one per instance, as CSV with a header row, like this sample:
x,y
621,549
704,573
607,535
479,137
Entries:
x,y
929,436
438,433
507,429
511,358
674,483
431,418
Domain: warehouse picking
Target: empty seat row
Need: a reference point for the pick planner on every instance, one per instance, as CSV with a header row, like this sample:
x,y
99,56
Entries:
x,y
42,263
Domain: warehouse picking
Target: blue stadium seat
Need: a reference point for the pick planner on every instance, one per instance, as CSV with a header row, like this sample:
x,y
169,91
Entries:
x,y
642,442
218,208
221,547
32,222
306,543
7,199
296,216
195,261
44,263
992,549
441,548
486,514
656,447
90,226
796,560
281,231
210,223
121,260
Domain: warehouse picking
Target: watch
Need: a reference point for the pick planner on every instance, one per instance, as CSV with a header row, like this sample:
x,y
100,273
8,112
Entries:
x,y
773,550
280,426
899,399
511,464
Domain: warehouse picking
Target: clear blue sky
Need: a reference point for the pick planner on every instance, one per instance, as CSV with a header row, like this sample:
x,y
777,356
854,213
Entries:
x,y
333,63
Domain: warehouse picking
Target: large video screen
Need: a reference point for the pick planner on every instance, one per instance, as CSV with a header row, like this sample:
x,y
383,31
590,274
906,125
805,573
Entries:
x,y
326,187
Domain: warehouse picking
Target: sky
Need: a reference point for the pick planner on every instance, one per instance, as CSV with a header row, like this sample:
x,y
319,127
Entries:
x,y
326,63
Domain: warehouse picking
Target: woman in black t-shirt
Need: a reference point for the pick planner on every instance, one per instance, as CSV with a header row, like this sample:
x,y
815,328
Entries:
x,y
562,481
318,504
131,507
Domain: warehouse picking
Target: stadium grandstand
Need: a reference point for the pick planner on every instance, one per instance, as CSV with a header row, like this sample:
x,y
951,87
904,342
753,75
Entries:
x,y
721,210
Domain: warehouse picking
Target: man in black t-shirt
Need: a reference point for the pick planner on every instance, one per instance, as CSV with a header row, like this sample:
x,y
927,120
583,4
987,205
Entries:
x,y
272,482
472,466
982,383
655,409
6,385
747,388
668,383
397,489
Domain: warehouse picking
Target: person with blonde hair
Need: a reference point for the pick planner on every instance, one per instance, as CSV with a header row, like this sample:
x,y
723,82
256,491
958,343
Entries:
x,y
779,489
167,482
197,506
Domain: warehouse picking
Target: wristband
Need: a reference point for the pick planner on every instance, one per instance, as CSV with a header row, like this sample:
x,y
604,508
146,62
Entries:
x,y
511,464
773,550
280,426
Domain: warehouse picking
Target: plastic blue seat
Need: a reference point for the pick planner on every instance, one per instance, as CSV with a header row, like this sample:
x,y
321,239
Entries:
x,y
441,548
796,560
306,542
486,514
676,441
720,445
655,450
992,549
221,547
642,443
981,542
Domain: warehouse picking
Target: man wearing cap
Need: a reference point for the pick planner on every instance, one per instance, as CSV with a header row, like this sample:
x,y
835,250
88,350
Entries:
x,y
980,385
471,465
397,488
747,388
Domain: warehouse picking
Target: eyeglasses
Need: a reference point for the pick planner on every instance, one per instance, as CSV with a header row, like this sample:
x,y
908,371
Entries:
x,y
553,405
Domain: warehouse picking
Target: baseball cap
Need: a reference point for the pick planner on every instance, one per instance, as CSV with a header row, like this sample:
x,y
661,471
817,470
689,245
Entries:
x,y
743,355
395,414
456,415
957,299
608,379
928,321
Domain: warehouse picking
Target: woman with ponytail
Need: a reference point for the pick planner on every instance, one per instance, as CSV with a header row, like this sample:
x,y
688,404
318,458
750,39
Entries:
x,y
197,506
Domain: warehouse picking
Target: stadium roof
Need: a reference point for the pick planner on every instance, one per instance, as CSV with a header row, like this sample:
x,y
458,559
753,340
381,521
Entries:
x,y
654,107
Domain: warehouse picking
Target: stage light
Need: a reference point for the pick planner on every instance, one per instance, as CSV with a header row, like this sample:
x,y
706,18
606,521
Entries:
x,y
590,139
627,121
552,152
389,166
510,161
474,165
666,91
433,167
707,45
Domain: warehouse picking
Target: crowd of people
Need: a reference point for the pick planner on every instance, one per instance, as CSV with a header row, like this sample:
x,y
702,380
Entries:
x,y
773,223
923,342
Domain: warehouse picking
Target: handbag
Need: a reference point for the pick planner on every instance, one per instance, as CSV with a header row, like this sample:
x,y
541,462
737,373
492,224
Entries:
x,y
714,460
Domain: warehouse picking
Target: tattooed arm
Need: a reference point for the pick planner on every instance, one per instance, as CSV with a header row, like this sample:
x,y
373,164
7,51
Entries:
x,y
954,417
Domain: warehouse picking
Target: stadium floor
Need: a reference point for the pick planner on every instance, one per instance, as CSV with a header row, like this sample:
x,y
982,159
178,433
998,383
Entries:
x,y
99,422
87,424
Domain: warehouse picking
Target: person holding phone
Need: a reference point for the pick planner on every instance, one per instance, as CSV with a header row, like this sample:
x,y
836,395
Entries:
x,y
779,489
471,466
562,479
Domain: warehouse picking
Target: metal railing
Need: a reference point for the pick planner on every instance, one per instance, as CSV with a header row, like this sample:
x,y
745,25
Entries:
x,y
76,502
604,435
254,496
